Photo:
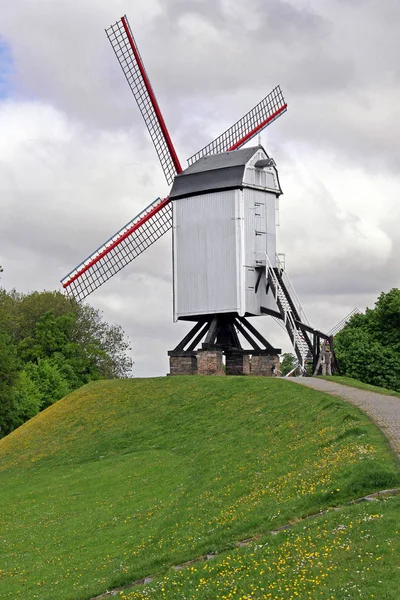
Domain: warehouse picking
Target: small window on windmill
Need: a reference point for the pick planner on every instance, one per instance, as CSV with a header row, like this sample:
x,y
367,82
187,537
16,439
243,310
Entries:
x,y
263,172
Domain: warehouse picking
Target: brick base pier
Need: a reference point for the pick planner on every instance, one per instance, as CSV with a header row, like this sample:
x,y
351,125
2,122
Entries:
x,y
237,364
183,364
209,362
264,364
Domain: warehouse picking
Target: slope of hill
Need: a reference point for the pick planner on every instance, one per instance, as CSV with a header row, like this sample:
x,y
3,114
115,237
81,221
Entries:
x,y
123,478
350,553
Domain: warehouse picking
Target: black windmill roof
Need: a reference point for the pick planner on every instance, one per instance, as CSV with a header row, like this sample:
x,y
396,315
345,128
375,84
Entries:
x,y
211,173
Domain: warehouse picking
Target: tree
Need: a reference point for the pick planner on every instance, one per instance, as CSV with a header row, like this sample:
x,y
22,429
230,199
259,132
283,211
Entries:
x,y
49,336
8,376
384,320
101,347
48,380
20,313
106,343
50,346
28,399
287,361
368,348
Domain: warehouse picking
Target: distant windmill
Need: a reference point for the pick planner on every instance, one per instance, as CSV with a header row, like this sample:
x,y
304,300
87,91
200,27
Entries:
x,y
222,209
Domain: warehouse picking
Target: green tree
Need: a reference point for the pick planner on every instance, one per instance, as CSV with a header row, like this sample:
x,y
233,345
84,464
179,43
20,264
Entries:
x,y
368,348
19,313
50,383
55,345
50,335
8,376
103,347
27,399
287,361
106,344
384,320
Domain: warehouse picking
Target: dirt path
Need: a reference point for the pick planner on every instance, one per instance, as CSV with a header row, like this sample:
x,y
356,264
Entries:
x,y
383,410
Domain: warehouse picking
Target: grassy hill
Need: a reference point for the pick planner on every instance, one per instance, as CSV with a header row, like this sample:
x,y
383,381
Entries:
x,y
122,479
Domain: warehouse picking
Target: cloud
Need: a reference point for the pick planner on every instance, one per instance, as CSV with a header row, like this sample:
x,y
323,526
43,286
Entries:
x,y
82,184
335,228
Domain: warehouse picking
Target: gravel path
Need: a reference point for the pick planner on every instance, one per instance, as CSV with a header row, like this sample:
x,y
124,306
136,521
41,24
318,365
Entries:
x,y
383,410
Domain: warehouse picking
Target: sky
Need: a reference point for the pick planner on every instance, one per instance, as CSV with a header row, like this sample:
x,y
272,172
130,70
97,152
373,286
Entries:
x,y
76,162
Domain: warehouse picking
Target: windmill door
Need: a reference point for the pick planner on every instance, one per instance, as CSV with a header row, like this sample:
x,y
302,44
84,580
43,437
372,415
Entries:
x,y
260,225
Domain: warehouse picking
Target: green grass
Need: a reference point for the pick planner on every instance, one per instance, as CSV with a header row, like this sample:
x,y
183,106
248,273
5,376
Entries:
x,y
359,384
122,479
350,554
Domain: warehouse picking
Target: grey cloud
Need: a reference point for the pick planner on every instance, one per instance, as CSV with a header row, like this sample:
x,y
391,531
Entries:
x,y
330,249
331,65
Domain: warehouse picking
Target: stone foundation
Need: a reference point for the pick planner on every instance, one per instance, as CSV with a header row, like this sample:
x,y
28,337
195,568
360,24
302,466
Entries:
x,y
263,365
237,364
185,364
209,362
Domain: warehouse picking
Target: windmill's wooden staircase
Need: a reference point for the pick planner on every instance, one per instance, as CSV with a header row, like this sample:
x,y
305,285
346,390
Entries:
x,y
306,341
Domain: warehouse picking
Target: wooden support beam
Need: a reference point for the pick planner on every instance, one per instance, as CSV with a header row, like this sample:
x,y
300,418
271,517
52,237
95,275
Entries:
x,y
212,332
247,337
180,347
199,337
272,313
235,336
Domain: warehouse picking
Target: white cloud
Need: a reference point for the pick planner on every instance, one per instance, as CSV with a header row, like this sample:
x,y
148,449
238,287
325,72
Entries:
x,y
334,215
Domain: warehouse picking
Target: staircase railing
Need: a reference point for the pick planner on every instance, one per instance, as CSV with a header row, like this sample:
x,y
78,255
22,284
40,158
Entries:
x,y
283,300
280,263
343,322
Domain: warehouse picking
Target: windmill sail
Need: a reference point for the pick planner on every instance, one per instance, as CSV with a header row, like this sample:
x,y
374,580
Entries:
x,y
259,117
128,55
130,241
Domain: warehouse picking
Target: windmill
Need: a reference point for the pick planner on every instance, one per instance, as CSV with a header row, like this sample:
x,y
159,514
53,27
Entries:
x,y
222,209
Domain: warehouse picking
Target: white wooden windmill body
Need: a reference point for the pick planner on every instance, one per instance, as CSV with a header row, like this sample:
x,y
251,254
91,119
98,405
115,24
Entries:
x,y
224,227
223,212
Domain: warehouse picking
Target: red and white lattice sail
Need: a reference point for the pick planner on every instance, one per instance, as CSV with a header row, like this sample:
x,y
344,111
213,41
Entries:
x,y
127,53
155,220
112,256
257,119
